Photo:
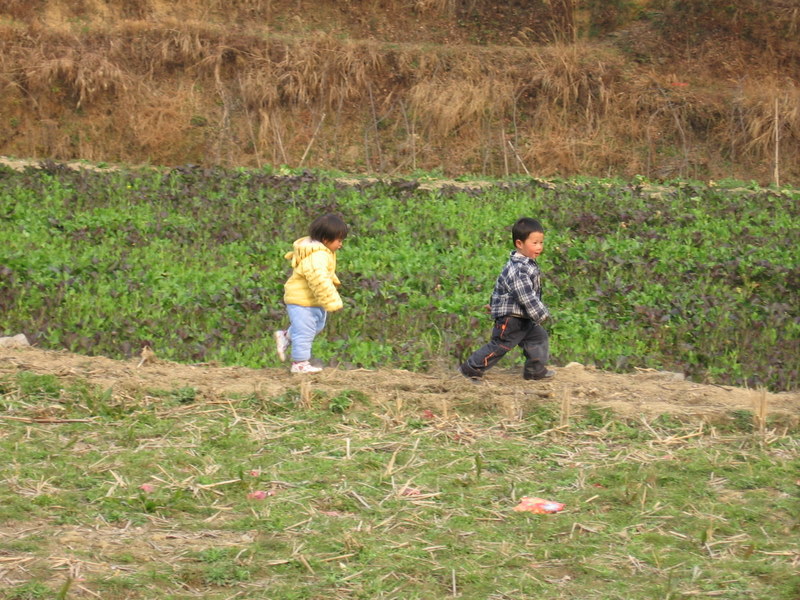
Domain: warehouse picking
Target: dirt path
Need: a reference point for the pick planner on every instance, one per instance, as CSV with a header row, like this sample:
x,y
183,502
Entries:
x,y
645,394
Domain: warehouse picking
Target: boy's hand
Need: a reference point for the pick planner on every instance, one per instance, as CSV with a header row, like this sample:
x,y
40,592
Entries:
x,y
487,308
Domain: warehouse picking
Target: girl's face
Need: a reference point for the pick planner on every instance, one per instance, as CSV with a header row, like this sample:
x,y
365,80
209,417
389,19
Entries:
x,y
532,247
333,245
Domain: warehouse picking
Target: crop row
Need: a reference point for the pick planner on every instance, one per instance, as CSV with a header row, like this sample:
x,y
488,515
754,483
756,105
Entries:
x,y
697,278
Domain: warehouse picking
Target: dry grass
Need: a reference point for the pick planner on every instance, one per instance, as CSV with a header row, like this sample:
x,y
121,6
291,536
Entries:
x,y
82,77
756,111
191,89
443,106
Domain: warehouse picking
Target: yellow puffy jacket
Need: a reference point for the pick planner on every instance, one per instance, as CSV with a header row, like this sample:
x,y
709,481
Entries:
x,y
313,281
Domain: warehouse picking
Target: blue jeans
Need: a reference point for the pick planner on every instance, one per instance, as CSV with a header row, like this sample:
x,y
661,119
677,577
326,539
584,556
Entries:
x,y
305,323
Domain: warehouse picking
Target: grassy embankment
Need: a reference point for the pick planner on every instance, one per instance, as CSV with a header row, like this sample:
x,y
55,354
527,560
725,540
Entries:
x,y
172,494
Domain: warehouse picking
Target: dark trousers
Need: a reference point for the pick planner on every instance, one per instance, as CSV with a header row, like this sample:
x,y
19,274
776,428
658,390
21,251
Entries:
x,y
507,333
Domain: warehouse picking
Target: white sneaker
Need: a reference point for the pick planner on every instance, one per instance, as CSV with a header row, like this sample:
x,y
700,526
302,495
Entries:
x,y
282,343
304,367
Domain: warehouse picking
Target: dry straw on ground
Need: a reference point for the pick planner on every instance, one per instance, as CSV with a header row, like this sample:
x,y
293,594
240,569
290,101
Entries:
x,y
439,394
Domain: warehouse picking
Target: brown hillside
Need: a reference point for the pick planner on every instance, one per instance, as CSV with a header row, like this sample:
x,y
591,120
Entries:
x,y
549,87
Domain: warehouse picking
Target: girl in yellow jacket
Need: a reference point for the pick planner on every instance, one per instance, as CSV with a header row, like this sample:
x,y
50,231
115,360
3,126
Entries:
x,y
310,293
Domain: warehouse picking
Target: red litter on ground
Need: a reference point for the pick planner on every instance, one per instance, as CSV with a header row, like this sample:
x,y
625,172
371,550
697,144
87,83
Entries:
x,y
538,506
260,494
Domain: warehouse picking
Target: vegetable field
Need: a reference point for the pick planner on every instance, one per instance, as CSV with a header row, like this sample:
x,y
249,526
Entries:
x,y
686,277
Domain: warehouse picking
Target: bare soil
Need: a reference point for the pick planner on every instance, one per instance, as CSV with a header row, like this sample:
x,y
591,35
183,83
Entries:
x,y
645,394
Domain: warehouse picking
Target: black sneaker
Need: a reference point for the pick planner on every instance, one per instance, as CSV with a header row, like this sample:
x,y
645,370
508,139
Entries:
x,y
472,378
549,374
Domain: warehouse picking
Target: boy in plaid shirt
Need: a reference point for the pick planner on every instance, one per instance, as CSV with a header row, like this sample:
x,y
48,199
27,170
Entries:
x,y
517,309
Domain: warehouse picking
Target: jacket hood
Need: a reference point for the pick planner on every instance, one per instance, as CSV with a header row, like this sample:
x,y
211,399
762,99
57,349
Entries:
x,y
303,248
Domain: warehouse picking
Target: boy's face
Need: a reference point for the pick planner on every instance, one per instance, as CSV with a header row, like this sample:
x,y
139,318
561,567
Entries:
x,y
333,245
532,247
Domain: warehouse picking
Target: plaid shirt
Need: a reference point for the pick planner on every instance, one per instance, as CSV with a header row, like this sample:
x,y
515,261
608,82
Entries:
x,y
518,290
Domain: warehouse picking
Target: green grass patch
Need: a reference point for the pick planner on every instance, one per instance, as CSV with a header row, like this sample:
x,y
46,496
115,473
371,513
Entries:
x,y
346,500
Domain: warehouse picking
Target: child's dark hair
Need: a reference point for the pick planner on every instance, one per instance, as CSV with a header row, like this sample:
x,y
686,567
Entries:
x,y
524,227
328,228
